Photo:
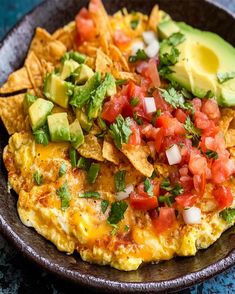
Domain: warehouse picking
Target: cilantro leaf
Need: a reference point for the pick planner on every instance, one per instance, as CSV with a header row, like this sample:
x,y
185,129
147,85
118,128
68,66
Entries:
x,y
166,185
193,131
171,58
166,199
63,193
62,170
224,77
117,211
148,187
134,101
90,194
41,135
119,179
140,55
104,205
212,154
177,190
175,98
120,131
38,178
134,23
228,215
176,39
137,119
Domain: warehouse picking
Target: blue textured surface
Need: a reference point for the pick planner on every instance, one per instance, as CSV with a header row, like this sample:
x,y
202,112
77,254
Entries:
x,y
16,274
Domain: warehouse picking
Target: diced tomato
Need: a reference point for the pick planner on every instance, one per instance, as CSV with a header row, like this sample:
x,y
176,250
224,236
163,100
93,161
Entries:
x,y
135,138
199,182
174,176
114,107
216,143
211,109
183,170
223,196
211,130
159,139
120,38
170,125
187,183
197,104
197,164
180,115
186,150
151,73
161,103
164,221
152,148
85,26
222,169
201,120
186,200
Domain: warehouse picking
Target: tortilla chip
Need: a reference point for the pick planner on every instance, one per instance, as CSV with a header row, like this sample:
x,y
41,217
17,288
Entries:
x,y
232,152
34,69
138,156
230,138
17,81
154,18
47,67
103,63
110,152
124,75
12,114
66,35
44,46
227,115
117,55
91,148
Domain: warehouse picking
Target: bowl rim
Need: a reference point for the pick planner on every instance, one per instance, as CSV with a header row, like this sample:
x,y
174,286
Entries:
x,y
92,281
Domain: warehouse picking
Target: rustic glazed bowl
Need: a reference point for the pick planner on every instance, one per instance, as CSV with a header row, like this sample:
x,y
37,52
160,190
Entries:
x,y
163,277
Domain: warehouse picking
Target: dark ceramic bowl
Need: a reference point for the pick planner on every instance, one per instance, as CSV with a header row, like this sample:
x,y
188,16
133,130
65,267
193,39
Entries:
x,y
163,277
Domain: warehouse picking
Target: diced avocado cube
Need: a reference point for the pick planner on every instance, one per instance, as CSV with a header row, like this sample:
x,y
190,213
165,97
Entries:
x,y
68,68
111,88
163,16
85,123
84,73
76,134
29,99
56,90
58,127
167,28
38,113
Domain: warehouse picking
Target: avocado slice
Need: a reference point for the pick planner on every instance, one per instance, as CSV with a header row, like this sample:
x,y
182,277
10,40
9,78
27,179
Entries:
x,y
84,73
202,56
107,87
76,134
29,99
69,66
82,93
85,123
58,125
57,90
167,28
38,113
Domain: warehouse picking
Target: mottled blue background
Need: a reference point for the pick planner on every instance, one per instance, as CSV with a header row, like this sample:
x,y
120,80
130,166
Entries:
x,y
19,276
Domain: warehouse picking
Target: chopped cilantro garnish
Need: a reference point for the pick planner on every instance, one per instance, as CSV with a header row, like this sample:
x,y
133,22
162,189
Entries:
x,y
41,135
137,119
90,194
148,187
193,131
166,185
177,190
228,215
166,199
117,211
134,23
62,170
134,101
164,71
119,180
224,77
172,192
84,163
38,178
126,228
175,98
121,82
104,205
171,58
212,154
63,193
176,39
73,156
140,55
120,131
93,173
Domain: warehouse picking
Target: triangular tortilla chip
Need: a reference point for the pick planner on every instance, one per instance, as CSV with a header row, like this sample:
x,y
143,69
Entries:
x,y
91,148
103,63
154,18
227,115
138,156
17,81
230,138
117,55
66,35
110,152
12,114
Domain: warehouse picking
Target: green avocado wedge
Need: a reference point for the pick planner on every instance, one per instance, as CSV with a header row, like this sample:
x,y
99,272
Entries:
x,y
203,56
58,127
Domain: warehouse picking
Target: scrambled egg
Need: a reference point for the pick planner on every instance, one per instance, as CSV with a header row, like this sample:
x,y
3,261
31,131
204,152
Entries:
x,y
83,227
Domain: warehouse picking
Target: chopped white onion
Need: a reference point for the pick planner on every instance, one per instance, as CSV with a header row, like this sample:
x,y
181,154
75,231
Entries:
x,y
149,37
152,49
125,194
149,104
173,155
136,46
192,216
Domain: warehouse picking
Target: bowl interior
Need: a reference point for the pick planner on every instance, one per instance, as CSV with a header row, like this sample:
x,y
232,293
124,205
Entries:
x,y
171,275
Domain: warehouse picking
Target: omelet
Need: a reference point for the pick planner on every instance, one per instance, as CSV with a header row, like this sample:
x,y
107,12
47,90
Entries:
x,y
108,159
